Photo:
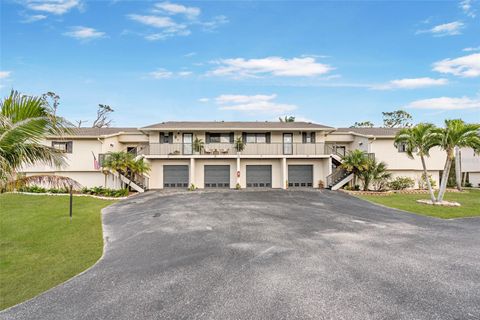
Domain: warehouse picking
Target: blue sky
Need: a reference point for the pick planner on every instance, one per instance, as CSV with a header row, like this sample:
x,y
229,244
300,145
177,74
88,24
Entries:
x,y
329,62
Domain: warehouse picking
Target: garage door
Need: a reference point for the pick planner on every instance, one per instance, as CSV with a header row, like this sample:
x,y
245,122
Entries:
x,y
217,176
300,175
259,176
175,176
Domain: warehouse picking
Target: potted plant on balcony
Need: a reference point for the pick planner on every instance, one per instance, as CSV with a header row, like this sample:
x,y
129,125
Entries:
x,y
197,145
239,145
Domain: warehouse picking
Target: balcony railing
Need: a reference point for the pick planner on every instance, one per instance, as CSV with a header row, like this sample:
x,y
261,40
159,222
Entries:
x,y
177,149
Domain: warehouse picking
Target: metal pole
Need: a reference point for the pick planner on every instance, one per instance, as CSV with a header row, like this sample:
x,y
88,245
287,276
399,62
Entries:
x,y
71,201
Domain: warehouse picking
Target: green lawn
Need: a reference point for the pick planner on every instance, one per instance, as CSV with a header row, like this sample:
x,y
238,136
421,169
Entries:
x,y
40,247
469,199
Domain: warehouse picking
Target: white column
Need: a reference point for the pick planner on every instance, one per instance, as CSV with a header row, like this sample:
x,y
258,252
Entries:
x,y
238,170
192,172
284,173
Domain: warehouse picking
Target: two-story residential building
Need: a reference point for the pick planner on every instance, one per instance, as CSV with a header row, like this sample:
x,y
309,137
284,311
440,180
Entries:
x,y
270,154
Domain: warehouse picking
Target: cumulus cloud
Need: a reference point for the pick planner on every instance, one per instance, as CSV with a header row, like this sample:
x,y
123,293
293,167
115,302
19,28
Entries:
x,y
167,25
84,33
445,103
203,100
446,29
274,66
253,104
411,83
174,20
466,66
173,8
57,7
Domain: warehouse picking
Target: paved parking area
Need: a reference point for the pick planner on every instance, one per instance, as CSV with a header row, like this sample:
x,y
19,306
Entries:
x,y
271,255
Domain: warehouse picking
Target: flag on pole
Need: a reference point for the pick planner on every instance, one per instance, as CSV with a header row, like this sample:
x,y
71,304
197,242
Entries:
x,y
96,164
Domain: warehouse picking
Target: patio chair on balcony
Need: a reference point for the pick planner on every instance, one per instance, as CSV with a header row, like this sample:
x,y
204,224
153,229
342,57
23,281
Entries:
x,y
224,151
207,151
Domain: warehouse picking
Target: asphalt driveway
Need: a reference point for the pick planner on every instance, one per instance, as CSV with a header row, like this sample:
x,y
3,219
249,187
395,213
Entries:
x,y
271,255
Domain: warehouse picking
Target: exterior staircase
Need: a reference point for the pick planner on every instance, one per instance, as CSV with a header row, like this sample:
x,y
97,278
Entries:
x,y
138,183
338,178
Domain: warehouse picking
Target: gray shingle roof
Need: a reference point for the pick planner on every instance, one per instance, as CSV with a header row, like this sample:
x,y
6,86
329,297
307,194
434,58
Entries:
x,y
371,131
232,125
89,132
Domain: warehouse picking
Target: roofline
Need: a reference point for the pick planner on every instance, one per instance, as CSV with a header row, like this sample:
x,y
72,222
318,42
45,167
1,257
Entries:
x,y
235,128
94,136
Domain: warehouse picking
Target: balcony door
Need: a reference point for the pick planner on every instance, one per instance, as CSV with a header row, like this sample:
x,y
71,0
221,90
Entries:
x,y
187,143
288,143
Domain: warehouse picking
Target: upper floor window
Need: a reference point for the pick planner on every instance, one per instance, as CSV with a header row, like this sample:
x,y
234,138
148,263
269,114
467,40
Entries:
x,y
166,137
402,147
257,137
219,137
64,146
308,137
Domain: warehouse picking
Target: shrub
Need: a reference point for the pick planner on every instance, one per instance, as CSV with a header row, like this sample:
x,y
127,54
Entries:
x,y
401,183
238,186
32,189
422,182
105,192
192,187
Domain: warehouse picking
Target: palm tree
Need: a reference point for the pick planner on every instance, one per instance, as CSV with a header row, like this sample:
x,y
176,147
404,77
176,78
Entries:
x,y
287,119
118,162
419,140
355,161
375,172
24,123
456,134
139,167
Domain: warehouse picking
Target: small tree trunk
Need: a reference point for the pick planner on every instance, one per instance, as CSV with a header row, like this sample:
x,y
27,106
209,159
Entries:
x,y
446,172
429,185
458,169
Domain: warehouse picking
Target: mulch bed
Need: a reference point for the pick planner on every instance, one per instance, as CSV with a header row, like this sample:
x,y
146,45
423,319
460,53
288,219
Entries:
x,y
390,192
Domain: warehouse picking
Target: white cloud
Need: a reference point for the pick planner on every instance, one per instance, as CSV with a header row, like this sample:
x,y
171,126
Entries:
x,y
466,66
446,29
154,21
411,83
5,74
466,6
184,73
276,66
203,100
173,8
57,7
161,74
253,104
190,54
84,33
168,25
471,49
34,18
214,23
166,74
445,103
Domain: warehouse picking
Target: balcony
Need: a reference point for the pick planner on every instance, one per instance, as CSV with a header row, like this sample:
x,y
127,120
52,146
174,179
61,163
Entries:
x,y
225,149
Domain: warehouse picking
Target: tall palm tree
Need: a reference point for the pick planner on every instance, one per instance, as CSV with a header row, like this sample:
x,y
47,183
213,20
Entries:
x,y
355,161
419,140
456,133
24,123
